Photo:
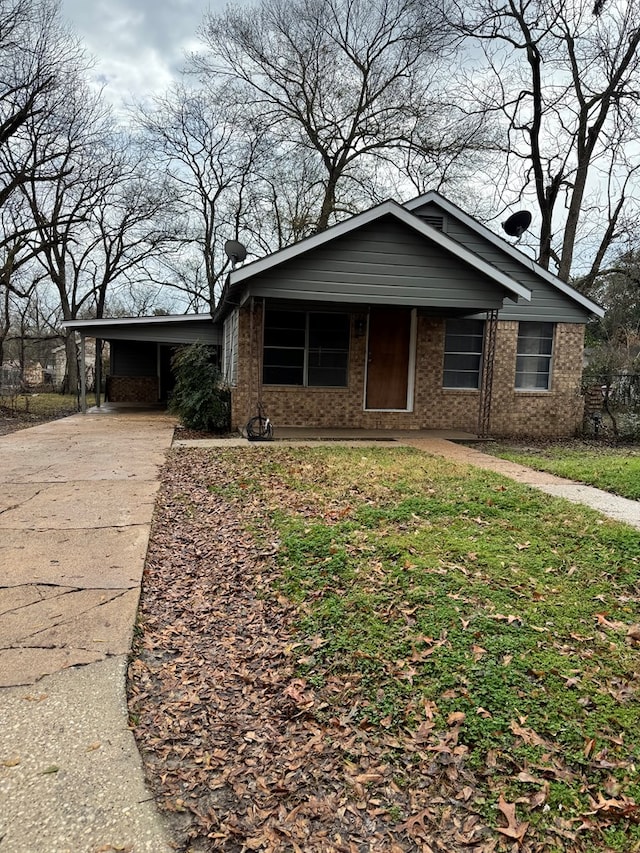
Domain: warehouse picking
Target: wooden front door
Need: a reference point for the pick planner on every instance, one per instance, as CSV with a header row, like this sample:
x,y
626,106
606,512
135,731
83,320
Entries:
x,y
388,358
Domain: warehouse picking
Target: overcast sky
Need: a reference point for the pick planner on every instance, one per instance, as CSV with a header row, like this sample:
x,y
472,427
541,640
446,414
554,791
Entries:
x,y
139,44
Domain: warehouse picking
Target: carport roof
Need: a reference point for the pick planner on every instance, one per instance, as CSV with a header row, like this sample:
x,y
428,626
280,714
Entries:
x,y
172,328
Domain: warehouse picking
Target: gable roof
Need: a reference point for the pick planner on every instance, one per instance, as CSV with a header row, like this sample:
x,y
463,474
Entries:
x,y
238,277
433,197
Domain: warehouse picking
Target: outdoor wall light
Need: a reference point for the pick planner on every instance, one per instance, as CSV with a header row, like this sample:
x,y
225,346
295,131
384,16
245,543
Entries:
x,y
360,325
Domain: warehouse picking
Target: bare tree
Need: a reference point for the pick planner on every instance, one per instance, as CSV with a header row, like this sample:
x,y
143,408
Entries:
x,y
98,219
37,55
563,77
38,61
128,227
348,82
209,152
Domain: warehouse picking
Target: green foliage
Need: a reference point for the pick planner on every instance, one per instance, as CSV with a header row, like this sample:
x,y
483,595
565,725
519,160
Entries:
x,y
199,398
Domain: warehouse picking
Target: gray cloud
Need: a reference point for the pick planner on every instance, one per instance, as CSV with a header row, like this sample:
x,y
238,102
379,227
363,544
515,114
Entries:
x,y
139,44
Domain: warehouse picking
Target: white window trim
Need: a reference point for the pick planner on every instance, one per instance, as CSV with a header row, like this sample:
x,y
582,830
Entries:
x,y
305,364
465,388
520,390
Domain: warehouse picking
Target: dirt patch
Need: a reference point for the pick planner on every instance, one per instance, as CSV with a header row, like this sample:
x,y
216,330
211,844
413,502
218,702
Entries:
x,y
12,420
540,445
183,434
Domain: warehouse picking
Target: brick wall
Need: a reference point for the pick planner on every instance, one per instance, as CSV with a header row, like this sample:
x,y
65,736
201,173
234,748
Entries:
x,y
557,412
554,413
132,389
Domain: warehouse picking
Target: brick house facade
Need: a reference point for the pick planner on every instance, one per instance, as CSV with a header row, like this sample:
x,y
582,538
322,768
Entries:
x,y
556,412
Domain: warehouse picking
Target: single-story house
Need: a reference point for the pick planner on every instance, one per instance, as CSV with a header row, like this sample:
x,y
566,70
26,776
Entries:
x,y
404,317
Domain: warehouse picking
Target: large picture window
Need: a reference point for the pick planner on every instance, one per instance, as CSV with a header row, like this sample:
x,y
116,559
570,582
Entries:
x,y
306,348
533,363
463,353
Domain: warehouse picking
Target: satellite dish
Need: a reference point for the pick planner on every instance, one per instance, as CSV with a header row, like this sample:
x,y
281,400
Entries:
x,y
517,223
236,252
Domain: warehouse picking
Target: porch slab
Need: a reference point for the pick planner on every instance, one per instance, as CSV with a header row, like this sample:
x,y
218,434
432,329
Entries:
x,y
313,435
317,434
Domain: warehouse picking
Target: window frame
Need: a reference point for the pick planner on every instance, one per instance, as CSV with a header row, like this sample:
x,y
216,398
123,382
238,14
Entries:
x,y
549,357
307,350
479,354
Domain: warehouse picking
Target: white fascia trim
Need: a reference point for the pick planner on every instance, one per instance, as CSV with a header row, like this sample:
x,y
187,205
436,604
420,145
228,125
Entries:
x,y
453,210
135,321
396,210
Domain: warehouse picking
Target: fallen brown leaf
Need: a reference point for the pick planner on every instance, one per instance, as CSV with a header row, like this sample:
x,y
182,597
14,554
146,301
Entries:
x,y
514,828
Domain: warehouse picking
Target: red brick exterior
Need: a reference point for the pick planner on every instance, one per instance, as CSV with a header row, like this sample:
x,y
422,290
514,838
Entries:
x,y
132,389
557,412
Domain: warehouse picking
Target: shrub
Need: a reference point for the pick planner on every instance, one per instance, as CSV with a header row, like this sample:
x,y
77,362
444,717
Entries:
x,y
200,398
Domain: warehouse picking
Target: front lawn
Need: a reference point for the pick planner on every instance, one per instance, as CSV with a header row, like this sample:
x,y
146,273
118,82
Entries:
x,y
614,469
25,410
370,649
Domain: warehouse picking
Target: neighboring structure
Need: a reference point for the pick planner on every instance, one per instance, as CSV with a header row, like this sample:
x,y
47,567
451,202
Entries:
x,y
404,317
17,379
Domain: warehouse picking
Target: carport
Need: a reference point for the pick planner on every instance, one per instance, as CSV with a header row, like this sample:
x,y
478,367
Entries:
x,y
140,353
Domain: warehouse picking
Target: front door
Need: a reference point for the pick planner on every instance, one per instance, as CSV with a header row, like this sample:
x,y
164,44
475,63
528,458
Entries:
x,y
388,358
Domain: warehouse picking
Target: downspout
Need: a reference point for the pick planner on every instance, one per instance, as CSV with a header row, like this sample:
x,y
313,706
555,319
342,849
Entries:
x,y
261,353
158,373
251,310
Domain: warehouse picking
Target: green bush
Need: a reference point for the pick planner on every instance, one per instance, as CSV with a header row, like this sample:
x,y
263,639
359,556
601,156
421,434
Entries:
x,y
200,398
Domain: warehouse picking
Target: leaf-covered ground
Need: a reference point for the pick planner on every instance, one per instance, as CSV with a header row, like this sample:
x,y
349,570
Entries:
x,y
370,649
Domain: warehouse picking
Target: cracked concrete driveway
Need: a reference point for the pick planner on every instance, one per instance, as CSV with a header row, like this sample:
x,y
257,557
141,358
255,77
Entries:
x,y
76,503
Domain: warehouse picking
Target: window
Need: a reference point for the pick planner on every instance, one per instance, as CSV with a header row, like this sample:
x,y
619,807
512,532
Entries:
x,y
463,353
306,348
533,363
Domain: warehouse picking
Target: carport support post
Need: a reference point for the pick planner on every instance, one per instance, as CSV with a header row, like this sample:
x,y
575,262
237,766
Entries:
x,y
98,371
83,376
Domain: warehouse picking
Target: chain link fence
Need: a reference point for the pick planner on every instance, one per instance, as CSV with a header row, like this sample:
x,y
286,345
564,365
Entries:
x,y
612,405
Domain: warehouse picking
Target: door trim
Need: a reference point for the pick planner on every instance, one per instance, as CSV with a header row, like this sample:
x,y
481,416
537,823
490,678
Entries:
x,y
411,368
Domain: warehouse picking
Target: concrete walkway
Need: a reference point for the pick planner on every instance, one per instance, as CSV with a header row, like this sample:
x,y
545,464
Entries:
x,y
76,503
620,509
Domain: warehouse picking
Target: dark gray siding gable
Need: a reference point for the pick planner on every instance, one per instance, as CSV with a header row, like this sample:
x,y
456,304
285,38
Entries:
x,y
383,262
547,304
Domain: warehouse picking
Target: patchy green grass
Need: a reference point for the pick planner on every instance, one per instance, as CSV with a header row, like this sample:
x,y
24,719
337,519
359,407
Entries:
x,y
614,469
425,585
26,410
41,404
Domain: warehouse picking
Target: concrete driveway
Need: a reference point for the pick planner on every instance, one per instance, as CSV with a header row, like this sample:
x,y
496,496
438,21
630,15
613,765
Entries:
x,y
76,503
